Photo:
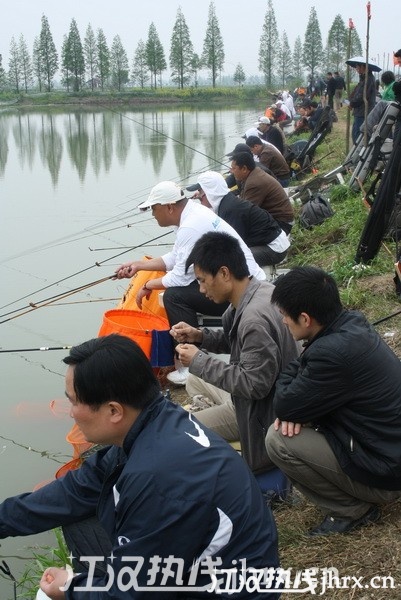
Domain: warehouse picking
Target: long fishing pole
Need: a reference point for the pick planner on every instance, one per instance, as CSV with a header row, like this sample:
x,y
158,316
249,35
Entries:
x,y
168,137
36,305
97,264
41,349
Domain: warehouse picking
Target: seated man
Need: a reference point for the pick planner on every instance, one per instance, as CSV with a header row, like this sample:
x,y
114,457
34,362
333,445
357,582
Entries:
x,y
169,499
312,112
182,299
338,406
268,155
254,336
263,190
260,232
270,133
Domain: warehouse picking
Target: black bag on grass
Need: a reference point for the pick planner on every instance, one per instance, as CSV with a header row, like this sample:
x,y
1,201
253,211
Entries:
x,y
314,212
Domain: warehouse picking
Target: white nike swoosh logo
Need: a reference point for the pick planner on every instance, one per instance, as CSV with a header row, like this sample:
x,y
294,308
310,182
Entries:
x,y
201,438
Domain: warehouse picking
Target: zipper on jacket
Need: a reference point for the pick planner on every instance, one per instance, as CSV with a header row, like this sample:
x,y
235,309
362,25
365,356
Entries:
x,y
351,443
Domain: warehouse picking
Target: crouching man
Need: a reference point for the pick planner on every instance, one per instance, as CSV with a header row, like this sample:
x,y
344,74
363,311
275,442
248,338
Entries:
x,y
338,406
253,335
177,507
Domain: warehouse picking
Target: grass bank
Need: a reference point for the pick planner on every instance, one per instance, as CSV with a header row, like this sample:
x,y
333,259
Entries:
x,y
227,96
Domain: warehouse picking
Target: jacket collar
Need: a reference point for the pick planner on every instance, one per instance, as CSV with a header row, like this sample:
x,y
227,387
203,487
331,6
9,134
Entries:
x,y
148,414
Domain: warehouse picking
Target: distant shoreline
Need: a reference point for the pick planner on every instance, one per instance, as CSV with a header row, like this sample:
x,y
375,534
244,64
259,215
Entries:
x,y
163,96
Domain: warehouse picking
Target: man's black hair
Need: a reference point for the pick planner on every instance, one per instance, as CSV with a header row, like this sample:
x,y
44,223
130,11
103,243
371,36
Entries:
x,y
253,140
112,367
244,159
309,290
387,77
398,53
215,250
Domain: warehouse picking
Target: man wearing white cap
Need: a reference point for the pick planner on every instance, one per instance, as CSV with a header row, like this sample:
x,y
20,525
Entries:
x,y
270,133
182,298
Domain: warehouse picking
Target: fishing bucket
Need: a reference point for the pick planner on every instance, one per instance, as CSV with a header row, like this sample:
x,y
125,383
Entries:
x,y
150,332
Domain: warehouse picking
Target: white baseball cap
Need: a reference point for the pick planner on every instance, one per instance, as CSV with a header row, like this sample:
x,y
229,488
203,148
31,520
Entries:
x,y
165,192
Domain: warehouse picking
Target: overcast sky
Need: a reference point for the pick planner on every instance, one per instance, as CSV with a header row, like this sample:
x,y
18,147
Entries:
x,y
240,23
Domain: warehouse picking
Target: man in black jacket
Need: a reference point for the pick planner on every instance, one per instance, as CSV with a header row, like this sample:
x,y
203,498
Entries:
x,y
258,229
338,407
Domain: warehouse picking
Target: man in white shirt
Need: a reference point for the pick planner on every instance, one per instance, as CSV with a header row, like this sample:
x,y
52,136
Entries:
x,y
182,298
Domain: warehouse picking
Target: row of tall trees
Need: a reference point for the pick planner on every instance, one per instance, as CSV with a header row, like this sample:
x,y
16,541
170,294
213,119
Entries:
x,y
276,58
92,62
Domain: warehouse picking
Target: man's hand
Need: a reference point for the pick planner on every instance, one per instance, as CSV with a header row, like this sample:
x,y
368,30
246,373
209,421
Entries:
x,y
142,293
183,333
53,579
126,270
186,352
287,428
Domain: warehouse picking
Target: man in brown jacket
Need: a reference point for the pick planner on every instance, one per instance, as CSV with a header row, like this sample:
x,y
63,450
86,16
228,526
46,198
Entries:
x,y
262,189
272,158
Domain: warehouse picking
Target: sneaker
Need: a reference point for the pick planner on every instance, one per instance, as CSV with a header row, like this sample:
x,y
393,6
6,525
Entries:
x,y
178,377
338,525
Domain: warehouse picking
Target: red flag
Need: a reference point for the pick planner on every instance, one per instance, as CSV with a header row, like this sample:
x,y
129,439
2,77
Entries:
x,y
351,24
368,10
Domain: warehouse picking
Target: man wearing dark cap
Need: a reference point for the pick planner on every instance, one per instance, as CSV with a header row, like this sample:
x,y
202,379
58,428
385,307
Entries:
x,y
262,189
269,156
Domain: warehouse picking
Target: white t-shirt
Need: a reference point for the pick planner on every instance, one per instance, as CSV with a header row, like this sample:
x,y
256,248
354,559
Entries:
x,y
195,221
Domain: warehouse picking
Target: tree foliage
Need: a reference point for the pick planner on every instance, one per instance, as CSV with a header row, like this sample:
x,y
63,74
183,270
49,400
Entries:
x,y
118,64
155,57
336,51
297,60
213,47
73,61
312,50
181,52
48,54
102,58
25,63
14,67
284,60
90,55
37,66
139,73
268,44
239,75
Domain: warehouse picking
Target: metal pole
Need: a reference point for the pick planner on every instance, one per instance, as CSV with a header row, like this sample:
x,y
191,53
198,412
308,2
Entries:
x,y
348,83
365,87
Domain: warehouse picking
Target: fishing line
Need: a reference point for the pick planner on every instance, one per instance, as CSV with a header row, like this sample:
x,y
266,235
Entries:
x,y
97,264
35,305
168,137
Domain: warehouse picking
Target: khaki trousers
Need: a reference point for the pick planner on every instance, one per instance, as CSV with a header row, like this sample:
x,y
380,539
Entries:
x,y
220,418
311,465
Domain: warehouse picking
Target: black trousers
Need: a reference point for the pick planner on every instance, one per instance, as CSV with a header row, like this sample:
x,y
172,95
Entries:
x,y
183,304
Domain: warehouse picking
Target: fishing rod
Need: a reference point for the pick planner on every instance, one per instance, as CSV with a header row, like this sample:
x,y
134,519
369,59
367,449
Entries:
x,y
121,247
41,349
398,312
97,264
168,137
34,306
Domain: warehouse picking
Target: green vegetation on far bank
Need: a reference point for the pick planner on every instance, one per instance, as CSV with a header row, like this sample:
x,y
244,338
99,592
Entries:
x,y
256,95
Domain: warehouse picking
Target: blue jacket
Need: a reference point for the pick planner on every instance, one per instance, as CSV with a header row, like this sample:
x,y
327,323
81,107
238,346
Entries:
x,y
173,490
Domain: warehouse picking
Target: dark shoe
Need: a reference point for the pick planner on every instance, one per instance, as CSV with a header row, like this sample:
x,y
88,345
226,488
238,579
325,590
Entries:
x,y
337,525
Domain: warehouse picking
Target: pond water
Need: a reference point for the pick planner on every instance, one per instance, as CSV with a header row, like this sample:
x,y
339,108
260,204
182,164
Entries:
x,y
70,183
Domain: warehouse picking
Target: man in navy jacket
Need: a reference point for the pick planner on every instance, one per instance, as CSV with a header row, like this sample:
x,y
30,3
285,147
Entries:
x,y
174,501
338,407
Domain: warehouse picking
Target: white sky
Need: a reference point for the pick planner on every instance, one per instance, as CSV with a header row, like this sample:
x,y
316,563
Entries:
x,y
240,23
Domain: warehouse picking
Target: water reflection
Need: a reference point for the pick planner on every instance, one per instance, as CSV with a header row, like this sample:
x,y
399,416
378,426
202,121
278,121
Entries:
x,y
95,137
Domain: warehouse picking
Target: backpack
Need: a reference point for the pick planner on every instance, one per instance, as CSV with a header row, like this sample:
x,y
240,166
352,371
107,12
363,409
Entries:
x,y
314,212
